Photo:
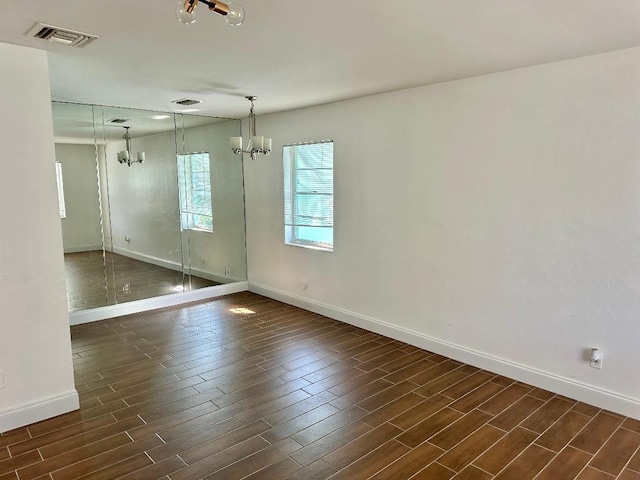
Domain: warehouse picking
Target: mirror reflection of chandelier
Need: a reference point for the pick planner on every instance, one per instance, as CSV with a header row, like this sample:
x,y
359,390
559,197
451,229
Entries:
x,y
125,156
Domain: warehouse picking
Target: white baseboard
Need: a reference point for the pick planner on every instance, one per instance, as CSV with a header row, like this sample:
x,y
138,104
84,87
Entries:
x,y
82,248
590,394
143,257
177,266
137,306
213,276
36,411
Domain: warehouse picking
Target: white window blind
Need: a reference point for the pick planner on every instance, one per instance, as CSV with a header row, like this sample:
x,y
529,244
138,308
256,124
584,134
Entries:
x,y
60,183
194,185
308,195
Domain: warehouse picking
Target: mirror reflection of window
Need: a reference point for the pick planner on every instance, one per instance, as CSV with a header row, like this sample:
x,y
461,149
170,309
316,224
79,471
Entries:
x,y
130,234
194,182
60,183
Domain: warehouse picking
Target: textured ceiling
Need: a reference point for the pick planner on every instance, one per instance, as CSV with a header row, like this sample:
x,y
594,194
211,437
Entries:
x,y
296,53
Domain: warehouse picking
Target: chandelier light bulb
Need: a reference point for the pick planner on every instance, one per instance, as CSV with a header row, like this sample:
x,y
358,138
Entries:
x,y
236,14
184,15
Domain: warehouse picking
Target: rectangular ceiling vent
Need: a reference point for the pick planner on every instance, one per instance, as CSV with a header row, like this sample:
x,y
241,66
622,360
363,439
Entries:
x,y
60,35
118,120
187,101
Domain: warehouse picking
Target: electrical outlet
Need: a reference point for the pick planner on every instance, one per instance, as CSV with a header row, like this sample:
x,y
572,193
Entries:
x,y
1,379
303,283
126,288
227,271
595,361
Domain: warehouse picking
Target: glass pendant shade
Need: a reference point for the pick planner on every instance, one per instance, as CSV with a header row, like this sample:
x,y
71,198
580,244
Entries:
x,y
183,15
257,142
236,14
236,143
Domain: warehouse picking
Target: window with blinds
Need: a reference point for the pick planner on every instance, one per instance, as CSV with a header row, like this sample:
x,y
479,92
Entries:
x,y
60,183
308,195
194,185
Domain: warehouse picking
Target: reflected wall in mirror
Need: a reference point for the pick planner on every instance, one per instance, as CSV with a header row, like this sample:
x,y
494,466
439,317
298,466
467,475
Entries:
x,y
132,230
214,250
80,207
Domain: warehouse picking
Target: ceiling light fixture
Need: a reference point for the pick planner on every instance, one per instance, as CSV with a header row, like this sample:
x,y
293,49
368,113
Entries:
x,y
233,12
257,144
124,156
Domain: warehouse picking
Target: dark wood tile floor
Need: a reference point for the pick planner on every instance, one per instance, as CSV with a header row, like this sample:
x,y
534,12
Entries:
x,y
86,286
245,387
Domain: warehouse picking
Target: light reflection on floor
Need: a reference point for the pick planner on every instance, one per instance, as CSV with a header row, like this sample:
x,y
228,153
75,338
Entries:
x,y
241,310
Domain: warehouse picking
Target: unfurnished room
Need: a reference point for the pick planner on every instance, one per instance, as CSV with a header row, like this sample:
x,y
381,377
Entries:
x,y
320,240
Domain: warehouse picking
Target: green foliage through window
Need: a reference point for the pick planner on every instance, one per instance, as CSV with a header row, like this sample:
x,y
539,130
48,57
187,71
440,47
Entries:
x,y
194,182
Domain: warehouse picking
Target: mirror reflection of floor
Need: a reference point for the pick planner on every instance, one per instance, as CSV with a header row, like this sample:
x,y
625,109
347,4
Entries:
x,y
127,280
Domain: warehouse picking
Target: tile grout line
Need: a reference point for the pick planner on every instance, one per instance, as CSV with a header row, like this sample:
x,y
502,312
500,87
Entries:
x,y
637,450
598,451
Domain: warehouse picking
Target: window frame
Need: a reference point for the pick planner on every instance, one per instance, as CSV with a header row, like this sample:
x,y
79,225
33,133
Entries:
x,y
293,236
188,210
62,207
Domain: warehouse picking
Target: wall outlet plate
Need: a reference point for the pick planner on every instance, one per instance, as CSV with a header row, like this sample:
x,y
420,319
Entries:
x,y
1,379
596,359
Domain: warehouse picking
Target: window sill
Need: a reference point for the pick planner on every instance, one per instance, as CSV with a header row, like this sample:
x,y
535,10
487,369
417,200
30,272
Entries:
x,y
197,230
310,246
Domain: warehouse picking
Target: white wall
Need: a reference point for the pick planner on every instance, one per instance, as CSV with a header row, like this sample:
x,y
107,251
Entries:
x,y
144,203
81,229
494,219
225,247
35,348
143,198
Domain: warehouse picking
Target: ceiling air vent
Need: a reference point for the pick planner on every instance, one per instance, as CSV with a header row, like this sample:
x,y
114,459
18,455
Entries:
x,y
118,120
187,101
60,35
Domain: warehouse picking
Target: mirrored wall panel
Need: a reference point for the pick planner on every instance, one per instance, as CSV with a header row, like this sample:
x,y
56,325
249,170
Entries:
x,y
153,203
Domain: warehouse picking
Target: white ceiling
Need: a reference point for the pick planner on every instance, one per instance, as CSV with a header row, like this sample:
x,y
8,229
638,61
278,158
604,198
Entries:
x,y
296,53
77,123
